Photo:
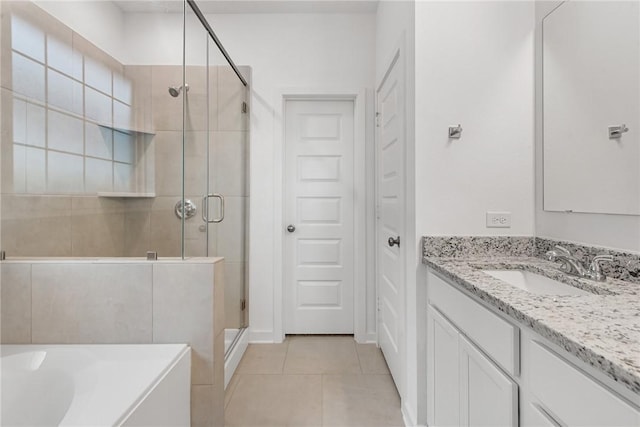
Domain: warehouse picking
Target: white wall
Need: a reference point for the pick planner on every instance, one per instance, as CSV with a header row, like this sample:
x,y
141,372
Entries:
x,y
285,51
322,51
100,22
474,66
612,231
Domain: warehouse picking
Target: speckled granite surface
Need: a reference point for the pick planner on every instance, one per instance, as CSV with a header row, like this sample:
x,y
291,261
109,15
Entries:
x,y
625,265
601,328
462,246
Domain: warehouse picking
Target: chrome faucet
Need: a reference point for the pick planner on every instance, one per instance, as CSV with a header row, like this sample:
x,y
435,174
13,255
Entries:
x,y
572,265
568,263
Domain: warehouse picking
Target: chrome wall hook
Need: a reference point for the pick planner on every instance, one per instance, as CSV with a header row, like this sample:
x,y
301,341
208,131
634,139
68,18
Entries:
x,y
616,132
455,132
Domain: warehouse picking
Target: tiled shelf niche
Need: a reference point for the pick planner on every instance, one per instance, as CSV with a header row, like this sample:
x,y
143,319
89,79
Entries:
x,y
137,149
125,195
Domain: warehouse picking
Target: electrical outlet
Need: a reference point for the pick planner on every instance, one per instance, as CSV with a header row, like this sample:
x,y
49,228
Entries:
x,y
498,219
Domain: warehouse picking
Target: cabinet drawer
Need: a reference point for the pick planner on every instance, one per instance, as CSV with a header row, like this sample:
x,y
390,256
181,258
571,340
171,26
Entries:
x,y
572,397
495,336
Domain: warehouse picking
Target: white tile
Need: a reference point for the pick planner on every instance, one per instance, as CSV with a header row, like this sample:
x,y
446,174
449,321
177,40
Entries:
x,y
62,57
98,175
36,225
360,400
64,92
123,177
65,173
122,115
98,141
19,121
231,232
19,169
27,38
231,94
91,303
97,106
122,88
218,298
218,380
15,291
97,75
167,163
97,233
263,359
230,161
233,294
195,174
371,359
145,156
36,125
276,400
28,170
201,406
324,355
183,312
124,147
36,171
27,77
65,133
167,110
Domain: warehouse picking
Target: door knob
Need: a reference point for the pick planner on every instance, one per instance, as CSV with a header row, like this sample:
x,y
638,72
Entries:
x,y
291,228
393,241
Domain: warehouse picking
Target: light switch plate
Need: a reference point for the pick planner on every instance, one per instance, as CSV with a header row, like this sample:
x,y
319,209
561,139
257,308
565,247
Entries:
x,y
498,219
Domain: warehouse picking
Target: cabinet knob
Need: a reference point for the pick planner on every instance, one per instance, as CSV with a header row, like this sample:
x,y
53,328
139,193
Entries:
x,y
291,228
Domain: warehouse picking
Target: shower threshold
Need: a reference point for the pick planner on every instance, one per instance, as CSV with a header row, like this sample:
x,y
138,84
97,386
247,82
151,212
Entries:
x,y
235,344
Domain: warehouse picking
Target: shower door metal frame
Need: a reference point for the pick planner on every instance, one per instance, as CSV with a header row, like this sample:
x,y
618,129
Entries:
x,y
216,40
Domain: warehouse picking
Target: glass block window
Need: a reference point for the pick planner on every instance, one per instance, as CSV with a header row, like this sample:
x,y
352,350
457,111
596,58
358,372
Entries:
x,y
71,115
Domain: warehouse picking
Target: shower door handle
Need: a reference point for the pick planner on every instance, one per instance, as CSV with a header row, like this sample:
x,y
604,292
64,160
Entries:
x,y
205,208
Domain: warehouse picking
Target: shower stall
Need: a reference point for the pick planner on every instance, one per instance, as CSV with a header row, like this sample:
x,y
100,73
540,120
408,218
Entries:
x,y
124,146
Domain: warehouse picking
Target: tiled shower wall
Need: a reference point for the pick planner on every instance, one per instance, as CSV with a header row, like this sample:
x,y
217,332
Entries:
x,y
64,104
120,301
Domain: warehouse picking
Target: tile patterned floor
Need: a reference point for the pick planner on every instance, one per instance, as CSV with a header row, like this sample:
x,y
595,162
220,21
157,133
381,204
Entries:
x,y
312,381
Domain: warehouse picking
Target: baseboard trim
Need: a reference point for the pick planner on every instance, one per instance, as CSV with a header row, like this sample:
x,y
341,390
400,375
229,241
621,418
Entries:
x,y
370,338
261,337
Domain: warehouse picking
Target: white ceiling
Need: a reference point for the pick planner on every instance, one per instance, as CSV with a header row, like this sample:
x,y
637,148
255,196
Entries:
x,y
252,6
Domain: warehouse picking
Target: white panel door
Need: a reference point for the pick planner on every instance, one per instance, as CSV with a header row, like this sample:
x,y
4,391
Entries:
x,y
443,386
488,397
319,227
390,220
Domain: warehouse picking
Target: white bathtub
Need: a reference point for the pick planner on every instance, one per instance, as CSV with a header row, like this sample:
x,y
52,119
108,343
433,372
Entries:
x,y
95,385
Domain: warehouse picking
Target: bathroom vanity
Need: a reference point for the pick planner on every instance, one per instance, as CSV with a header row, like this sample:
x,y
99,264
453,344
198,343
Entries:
x,y
499,354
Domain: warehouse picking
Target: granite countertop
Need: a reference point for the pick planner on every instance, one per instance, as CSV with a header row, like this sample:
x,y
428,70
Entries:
x,y
601,328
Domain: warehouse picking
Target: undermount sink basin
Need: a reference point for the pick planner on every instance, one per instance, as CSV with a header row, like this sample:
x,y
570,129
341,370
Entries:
x,y
535,283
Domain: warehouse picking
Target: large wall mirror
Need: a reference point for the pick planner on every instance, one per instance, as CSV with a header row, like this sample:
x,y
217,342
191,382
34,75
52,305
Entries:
x,y
591,102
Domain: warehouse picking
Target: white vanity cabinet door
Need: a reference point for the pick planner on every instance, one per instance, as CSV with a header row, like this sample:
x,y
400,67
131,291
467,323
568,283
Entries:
x,y
443,405
488,397
464,387
532,415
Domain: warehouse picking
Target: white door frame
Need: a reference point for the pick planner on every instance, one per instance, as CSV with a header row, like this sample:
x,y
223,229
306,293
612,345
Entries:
x,y
358,96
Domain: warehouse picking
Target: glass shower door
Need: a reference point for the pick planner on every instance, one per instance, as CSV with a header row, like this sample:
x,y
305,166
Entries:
x,y
216,167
